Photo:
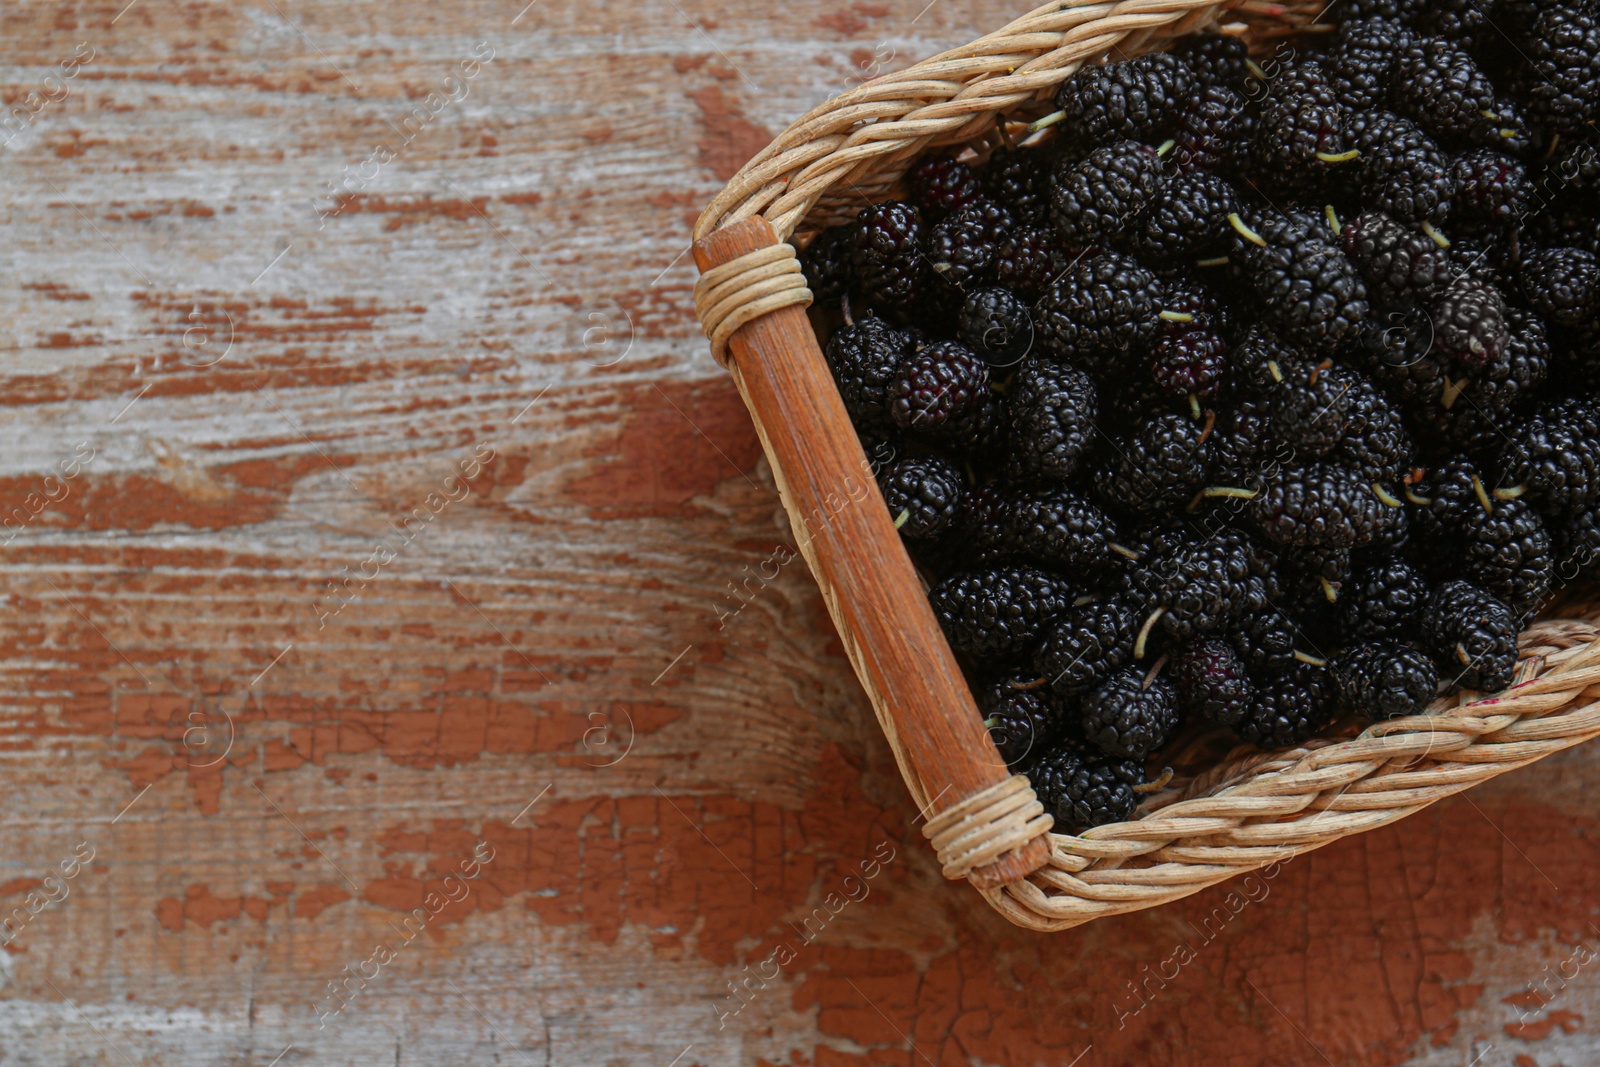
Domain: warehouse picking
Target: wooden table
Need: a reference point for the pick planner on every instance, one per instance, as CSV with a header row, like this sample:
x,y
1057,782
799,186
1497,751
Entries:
x,y
371,498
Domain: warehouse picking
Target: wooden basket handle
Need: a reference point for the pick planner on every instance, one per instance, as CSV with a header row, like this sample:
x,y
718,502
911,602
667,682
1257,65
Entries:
x,y
984,821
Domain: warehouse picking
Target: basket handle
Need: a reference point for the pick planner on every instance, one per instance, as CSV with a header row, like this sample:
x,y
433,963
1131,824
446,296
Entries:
x,y
984,821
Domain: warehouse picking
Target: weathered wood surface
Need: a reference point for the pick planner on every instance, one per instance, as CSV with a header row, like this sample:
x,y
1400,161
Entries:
x,y
545,659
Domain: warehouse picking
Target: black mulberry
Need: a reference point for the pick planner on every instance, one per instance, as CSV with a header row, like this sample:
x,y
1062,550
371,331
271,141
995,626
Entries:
x,y
999,611
1131,715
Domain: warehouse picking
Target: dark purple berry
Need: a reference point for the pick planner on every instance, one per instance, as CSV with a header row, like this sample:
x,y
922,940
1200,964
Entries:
x,y
937,386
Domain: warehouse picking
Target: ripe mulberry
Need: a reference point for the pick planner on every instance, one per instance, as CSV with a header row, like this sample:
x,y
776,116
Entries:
x,y
942,185
1469,322
1301,131
1399,263
1562,284
1556,455
1402,172
1131,715
886,256
1360,69
924,494
1188,219
1019,181
1384,600
1471,635
1490,185
938,386
826,265
1305,282
1289,708
865,357
1216,132
1199,587
1138,99
1212,682
1507,551
1053,411
999,611
1061,530
1087,643
1102,306
1321,506
1162,464
1384,680
1029,260
1438,85
961,249
1216,59
1562,82
1022,721
1079,790
1310,408
1099,197
996,324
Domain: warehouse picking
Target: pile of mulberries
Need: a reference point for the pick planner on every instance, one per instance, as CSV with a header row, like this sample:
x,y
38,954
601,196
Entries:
x,y
1242,395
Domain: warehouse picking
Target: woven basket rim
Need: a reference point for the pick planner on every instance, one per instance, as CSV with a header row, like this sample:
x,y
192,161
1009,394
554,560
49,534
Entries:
x,y
1260,808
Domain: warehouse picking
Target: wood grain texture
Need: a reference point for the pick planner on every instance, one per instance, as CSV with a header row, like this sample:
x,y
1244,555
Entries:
x,y
517,278
848,539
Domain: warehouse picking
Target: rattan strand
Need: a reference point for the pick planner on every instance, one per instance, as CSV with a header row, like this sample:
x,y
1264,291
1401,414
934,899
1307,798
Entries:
x,y
746,288
977,830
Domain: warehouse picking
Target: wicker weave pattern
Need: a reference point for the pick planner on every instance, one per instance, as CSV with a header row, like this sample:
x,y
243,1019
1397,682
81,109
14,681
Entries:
x,y
851,150
1291,802
1256,810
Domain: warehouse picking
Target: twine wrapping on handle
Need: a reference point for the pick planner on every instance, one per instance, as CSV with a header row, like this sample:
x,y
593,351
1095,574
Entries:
x,y
978,829
743,289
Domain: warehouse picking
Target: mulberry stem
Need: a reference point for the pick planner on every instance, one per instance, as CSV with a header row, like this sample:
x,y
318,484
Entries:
x,y
1150,675
1244,231
1452,391
1483,497
1387,497
1023,687
1155,786
1046,122
1144,632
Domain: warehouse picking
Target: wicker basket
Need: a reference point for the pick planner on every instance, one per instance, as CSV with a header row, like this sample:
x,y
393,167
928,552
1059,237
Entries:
x,y
1252,810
